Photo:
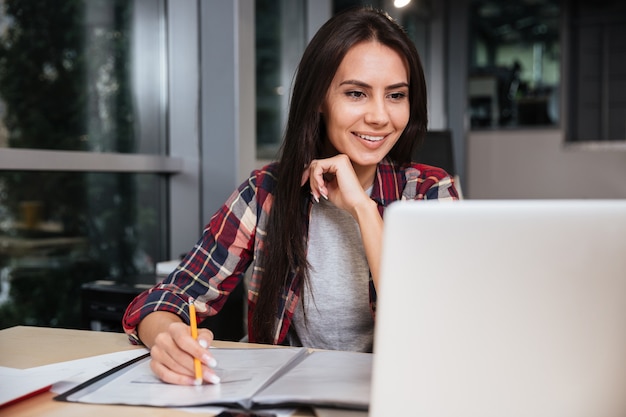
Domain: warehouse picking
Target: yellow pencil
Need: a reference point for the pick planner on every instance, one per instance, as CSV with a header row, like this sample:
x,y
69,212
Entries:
x,y
194,333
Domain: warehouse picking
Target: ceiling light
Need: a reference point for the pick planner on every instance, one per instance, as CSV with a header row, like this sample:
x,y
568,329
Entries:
x,y
400,3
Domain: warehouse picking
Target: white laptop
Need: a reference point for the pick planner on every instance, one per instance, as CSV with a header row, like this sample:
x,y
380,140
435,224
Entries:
x,y
502,308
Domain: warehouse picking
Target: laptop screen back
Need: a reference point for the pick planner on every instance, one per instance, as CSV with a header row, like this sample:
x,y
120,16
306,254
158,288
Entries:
x,y
502,308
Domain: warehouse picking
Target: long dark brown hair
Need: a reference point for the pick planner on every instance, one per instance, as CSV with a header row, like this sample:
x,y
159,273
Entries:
x,y
304,140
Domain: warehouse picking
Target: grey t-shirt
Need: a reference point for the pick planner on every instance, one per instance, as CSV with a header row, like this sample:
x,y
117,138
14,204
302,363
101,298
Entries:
x,y
338,314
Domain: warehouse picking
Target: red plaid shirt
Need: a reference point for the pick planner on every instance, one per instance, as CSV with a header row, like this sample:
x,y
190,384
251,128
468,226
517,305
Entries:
x,y
234,237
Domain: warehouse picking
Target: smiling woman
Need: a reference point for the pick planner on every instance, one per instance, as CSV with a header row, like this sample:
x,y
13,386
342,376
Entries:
x,y
310,225
367,106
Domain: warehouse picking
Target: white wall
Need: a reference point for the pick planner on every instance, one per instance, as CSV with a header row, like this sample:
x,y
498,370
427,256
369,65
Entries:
x,y
537,164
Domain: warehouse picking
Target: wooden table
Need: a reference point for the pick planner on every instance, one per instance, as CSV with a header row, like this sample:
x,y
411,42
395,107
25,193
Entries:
x,y
25,347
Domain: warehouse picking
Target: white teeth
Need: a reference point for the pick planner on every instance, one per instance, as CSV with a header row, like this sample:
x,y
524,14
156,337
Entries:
x,y
371,138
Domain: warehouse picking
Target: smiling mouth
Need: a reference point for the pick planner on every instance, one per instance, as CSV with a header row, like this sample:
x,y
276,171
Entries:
x,y
370,138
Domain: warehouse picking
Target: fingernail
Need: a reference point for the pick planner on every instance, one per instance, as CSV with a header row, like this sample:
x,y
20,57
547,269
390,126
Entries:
x,y
203,343
325,196
212,378
317,200
209,360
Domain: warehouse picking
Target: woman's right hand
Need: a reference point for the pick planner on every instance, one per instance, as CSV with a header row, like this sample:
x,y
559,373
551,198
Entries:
x,y
173,350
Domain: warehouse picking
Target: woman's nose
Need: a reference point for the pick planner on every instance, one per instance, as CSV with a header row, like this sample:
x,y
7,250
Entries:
x,y
377,112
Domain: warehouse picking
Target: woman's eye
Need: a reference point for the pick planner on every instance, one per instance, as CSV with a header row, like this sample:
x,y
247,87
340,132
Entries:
x,y
397,96
355,94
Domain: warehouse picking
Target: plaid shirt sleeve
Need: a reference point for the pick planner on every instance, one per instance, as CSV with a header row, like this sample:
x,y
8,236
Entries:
x,y
411,182
211,270
425,182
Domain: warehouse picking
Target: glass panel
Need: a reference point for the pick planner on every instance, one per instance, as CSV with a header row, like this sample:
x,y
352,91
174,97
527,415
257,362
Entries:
x,y
68,80
514,62
79,75
60,230
280,41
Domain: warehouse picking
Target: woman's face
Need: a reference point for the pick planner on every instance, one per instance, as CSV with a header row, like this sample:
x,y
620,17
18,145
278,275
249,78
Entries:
x,y
367,104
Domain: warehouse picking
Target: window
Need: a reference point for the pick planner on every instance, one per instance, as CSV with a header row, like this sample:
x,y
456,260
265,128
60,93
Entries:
x,y
280,41
83,183
340,5
597,71
514,63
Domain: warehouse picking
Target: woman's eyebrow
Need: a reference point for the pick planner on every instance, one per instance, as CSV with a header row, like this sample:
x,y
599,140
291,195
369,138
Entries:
x,y
356,82
366,85
398,85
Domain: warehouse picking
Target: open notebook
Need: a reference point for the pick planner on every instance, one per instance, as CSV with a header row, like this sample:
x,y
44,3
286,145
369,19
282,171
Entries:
x,y
502,308
251,378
